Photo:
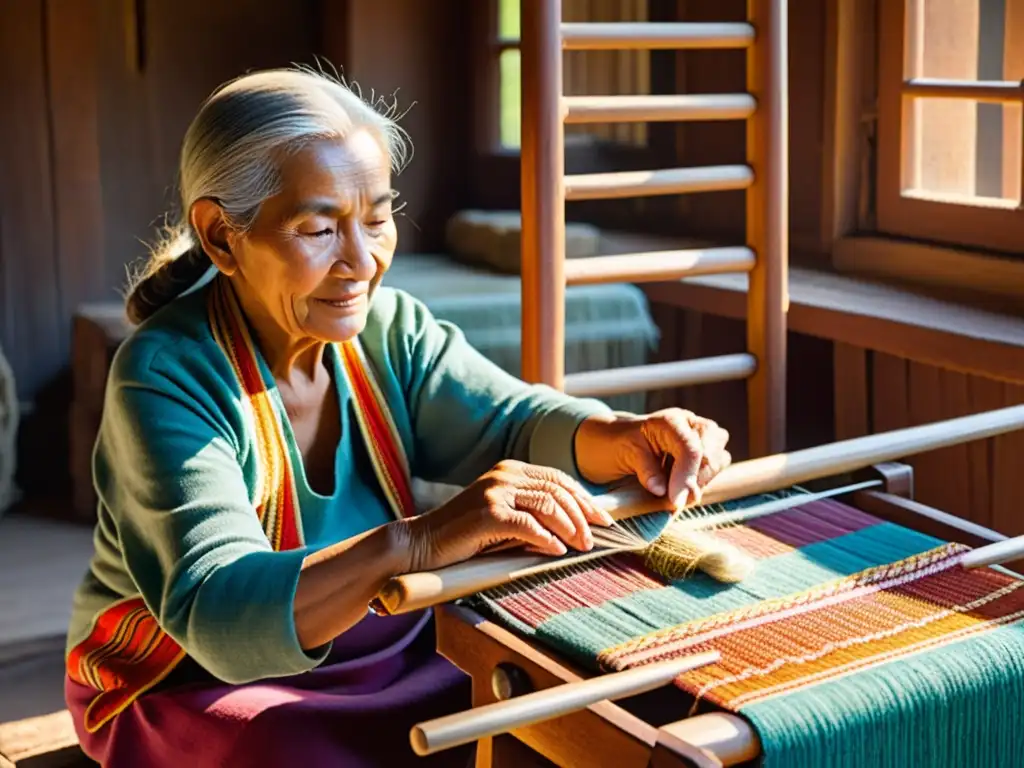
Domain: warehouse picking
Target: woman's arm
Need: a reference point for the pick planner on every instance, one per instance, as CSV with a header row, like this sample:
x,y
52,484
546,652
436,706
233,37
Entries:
x,y
467,413
170,470
338,582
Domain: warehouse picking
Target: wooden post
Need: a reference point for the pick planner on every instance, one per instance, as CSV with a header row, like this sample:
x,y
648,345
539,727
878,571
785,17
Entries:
x,y
768,225
543,194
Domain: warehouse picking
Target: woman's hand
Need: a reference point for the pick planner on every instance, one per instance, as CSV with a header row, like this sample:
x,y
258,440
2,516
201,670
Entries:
x,y
671,451
514,503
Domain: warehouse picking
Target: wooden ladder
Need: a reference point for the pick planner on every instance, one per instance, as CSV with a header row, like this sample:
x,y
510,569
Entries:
x,y
546,188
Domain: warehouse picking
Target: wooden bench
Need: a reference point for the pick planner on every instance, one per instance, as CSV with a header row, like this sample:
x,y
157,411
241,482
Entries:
x,y
47,741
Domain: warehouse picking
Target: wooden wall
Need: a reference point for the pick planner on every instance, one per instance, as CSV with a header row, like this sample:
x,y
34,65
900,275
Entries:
x,y
97,96
722,214
102,97
980,481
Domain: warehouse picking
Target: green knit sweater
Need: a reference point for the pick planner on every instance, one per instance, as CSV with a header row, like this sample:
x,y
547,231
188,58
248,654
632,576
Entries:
x,y
175,472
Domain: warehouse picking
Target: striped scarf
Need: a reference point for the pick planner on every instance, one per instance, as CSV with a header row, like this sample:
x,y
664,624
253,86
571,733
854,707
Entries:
x,y
126,652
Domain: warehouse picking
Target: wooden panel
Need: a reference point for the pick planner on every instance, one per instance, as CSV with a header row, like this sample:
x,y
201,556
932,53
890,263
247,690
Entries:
x,y
850,384
28,264
1008,474
72,65
889,393
725,72
985,395
423,61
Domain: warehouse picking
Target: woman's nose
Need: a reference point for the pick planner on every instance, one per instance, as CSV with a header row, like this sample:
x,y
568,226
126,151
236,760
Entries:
x,y
355,260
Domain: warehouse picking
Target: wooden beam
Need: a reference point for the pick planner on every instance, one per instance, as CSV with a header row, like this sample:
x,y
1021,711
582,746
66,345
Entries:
x,y
871,316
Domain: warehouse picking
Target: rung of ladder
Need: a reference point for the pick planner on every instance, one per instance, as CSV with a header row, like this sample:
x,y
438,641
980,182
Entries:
x,y
624,109
647,378
655,36
668,181
652,266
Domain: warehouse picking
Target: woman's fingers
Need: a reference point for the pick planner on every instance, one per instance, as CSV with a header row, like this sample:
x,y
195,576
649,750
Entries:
x,y
549,511
526,526
557,481
670,433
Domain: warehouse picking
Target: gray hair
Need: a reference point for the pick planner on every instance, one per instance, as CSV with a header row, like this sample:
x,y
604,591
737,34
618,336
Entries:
x,y
230,154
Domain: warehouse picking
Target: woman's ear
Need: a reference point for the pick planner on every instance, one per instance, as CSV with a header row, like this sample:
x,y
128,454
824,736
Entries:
x,y
207,219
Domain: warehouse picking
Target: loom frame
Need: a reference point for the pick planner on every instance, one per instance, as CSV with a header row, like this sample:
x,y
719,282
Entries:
x,y
502,664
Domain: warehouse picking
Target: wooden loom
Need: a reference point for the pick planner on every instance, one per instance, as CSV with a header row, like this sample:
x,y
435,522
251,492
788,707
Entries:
x,y
554,709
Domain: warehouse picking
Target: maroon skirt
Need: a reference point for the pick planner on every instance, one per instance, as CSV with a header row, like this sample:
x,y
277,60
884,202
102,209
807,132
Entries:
x,y
356,709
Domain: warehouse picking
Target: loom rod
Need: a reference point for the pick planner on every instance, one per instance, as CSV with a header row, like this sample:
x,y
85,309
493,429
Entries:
x,y
416,591
997,553
518,712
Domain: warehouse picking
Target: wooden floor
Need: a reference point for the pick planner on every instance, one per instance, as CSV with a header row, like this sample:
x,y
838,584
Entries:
x,y
41,564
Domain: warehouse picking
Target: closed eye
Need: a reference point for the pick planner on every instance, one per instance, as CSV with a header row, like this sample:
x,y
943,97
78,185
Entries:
x,y
322,233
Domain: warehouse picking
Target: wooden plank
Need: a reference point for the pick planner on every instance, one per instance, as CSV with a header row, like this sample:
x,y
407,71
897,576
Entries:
x,y
72,29
954,400
847,34
957,272
985,395
872,316
47,741
29,296
889,403
1008,475
850,387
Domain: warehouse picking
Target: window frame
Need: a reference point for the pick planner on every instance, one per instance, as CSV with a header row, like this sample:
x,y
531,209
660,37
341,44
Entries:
x,y
488,80
972,226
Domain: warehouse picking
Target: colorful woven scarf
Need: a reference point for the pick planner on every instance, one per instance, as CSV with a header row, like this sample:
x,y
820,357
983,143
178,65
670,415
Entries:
x,y
126,652
855,643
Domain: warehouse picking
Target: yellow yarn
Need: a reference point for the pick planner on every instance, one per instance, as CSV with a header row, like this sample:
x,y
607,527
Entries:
x,y
680,550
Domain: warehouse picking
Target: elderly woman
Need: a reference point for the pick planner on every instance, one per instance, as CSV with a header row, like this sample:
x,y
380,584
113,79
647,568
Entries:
x,y
260,431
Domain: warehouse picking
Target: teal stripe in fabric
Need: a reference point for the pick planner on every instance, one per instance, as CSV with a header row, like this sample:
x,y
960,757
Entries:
x,y
952,707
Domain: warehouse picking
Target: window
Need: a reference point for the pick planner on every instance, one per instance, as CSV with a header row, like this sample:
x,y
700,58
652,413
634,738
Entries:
x,y
584,72
949,120
508,74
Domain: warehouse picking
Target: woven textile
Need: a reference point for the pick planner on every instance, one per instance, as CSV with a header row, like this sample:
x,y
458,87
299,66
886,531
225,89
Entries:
x,y
855,643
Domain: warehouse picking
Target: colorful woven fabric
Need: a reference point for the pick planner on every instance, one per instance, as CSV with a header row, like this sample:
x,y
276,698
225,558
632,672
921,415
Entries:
x,y
855,643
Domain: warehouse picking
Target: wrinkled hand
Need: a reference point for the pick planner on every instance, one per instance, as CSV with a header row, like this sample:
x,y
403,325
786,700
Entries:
x,y
514,503
671,451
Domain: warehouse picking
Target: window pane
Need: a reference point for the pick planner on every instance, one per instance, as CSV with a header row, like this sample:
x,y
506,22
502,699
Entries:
x,y
508,19
510,98
962,149
956,148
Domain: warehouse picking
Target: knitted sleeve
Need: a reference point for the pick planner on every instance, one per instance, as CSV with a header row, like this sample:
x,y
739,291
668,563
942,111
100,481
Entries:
x,y
467,414
170,468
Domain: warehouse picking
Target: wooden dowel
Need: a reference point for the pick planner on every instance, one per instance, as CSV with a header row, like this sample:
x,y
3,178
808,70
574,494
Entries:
x,y
992,91
995,554
415,591
504,716
593,36
666,181
730,738
653,376
654,266
675,107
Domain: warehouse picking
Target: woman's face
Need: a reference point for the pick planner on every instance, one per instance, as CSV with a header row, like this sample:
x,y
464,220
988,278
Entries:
x,y
319,248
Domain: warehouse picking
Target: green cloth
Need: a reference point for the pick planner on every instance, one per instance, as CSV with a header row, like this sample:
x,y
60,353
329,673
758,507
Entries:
x,y
175,473
606,326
